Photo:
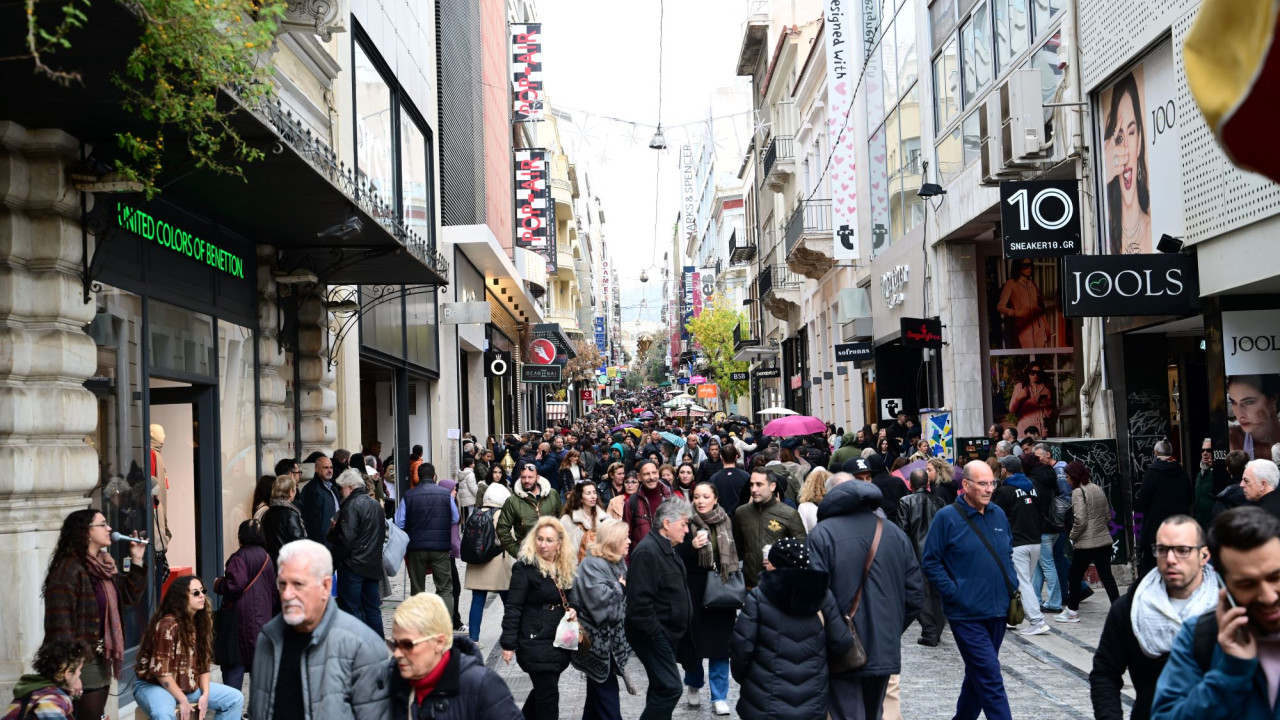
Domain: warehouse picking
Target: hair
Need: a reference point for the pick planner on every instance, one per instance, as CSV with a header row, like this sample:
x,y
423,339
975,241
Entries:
x,y
57,657
73,540
350,478
341,456
608,472
673,508
729,453
1005,446
867,452
998,428
320,561
815,486
1163,448
1126,86
425,613
648,461
1032,429
884,442
574,500
687,464
562,568
1236,462
609,537
505,479
898,462
262,491
198,625
283,487
1042,446
250,533
426,471
631,477
415,452
1187,520
715,492
1241,528
773,479
468,461
1011,464
1264,470
785,455
667,467
285,465
835,480
568,460
919,479
946,471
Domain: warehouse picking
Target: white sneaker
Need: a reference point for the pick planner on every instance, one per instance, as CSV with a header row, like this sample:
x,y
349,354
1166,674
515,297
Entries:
x,y
693,696
720,707
1039,628
1067,616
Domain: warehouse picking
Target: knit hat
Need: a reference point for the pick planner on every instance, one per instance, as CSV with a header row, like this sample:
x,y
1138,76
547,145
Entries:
x,y
1077,471
789,553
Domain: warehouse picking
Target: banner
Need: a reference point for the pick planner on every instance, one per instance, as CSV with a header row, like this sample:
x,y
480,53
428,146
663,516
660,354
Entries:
x,y
526,72
842,77
535,216
697,294
688,193
707,286
686,308
1251,358
601,341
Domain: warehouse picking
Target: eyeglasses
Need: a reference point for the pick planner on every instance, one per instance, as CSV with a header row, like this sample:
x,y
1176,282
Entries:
x,y
1182,552
197,592
981,484
407,646
297,472
99,525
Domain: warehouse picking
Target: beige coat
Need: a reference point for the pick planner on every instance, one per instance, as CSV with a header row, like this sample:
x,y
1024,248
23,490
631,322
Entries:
x,y
494,575
1092,517
574,526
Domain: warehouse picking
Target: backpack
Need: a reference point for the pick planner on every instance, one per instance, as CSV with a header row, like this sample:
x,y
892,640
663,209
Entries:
x,y
1060,517
1205,640
480,537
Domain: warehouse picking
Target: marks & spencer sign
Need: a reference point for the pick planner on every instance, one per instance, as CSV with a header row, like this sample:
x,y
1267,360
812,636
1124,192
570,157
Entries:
x,y
1107,285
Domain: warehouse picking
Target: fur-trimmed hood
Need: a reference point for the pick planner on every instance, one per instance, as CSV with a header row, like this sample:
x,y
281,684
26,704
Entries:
x,y
544,488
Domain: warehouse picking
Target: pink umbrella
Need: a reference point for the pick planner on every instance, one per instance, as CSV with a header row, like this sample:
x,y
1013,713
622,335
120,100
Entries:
x,y
793,425
905,471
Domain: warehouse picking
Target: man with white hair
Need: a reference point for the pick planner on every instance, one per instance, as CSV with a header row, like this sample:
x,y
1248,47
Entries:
x,y
314,661
1259,485
356,538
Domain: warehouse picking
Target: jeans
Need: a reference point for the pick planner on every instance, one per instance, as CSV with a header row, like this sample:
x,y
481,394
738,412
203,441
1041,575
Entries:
x,y
234,677
440,565
659,662
602,700
1025,559
362,598
983,688
159,704
1100,558
476,616
1062,564
856,698
718,672
1047,571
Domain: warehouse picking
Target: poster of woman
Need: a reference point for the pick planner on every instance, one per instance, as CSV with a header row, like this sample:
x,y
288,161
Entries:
x,y
1251,407
1022,309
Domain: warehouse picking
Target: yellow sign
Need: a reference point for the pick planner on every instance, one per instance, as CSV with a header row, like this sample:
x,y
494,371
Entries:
x,y
612,371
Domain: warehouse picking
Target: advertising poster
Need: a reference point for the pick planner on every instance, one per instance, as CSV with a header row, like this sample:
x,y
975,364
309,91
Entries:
x,y
842,78
1024,305
939,433
526,72
1251,359
535,218
1139,157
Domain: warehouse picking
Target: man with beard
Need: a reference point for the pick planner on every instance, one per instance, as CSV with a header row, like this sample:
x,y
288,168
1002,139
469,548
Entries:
x,y
712,464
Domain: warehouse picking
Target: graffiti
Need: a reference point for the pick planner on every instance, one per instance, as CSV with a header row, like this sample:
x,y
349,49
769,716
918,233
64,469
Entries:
x,y
1147,413
1141,453
1101,458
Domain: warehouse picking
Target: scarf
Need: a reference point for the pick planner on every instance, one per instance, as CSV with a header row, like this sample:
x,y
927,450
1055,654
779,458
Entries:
x,y
103,572
1155,623
721,537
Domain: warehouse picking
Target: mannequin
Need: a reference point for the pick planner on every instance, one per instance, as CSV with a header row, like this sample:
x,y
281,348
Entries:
x,y
159,489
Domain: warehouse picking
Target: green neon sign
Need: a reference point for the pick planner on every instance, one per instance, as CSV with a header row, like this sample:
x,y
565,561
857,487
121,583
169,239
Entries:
x,y
178,240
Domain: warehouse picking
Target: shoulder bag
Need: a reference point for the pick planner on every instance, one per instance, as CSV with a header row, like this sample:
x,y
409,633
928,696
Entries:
x,y
856,656
1015,614
727,593
226,629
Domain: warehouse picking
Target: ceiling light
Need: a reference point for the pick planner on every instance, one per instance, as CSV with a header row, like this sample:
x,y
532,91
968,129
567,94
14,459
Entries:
x,y
344,230
300,276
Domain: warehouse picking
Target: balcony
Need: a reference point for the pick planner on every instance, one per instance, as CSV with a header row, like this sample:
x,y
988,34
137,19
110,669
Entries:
x,y
746,349
779,162
566,266
741,251
566,318
809,240
779,290
755,35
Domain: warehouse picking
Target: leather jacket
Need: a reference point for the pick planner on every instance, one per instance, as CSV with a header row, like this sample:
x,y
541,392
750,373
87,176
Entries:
x,y
356,538
281,525
916,512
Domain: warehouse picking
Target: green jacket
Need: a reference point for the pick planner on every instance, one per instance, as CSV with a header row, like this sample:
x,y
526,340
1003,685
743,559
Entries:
x,y
1204,497
521,512
848,449
755,526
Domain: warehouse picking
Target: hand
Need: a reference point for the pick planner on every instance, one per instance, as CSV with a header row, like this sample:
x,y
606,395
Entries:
x,y
571,615
623,581
137,551
1234,635
507,655
184,709
203,704
700,541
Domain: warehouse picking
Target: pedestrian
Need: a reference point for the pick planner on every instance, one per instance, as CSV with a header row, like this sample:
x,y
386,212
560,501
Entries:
x,y
708,548
667,476
1016,496
613,485
570,473
483,465
638,511
1232,495
427,514
892,488
968,558
1166,490
784,638
1143,624
630,485
917,512
532,498
282,522
1205,485
1222,665
248,588
599,595
356,539
320,500
1259,485
314,661
497,475
455,552
811,494
1091,538
174,658
710,465
762,522
494,575
262,495
582,519
84,592
658,606
541,576
435,674
468,488
50,692
1038,466
850,447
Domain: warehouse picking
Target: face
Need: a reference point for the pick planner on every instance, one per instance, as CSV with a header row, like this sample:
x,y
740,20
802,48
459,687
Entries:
x,y
668,477
1008,435
1254,487
761,488
99,531
1043,456
548,543
589,496
978,490
703,499
1253,409
1179,572
324,468
1125,147
631,485
930,472
303,597
686,475
1034,374
195,597
1024,269
422,658
1253,579
619,473
558,444
70,680
675,530
649,475
713,451
495,475
528,478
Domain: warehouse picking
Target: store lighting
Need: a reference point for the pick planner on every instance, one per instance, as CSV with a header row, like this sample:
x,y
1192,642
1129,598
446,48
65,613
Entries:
x,y
297,277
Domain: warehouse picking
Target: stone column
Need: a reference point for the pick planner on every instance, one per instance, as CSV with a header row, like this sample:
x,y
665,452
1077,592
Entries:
x,y
273,412
46,467
962,370
316,397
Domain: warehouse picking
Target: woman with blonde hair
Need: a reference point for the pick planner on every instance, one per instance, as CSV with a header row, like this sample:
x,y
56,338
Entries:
x,y
543,573
942,479
811,494
282,522
599,594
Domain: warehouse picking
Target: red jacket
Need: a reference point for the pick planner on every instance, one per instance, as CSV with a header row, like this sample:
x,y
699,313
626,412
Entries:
x,y
639,510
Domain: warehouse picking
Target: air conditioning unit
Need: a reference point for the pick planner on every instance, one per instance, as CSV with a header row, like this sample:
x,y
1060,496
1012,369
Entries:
x,y
993,165
1021,118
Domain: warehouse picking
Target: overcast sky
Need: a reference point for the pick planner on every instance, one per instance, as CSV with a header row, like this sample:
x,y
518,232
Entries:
x,y
601,58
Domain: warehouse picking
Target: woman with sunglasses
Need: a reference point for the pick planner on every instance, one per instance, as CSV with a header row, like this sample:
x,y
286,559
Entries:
x,y
439,675
173,662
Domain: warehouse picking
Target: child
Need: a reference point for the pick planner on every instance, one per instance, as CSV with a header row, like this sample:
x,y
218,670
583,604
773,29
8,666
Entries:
x,y
49,692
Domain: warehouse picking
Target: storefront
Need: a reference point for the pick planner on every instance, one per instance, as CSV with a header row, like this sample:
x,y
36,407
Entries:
x,y
905,379
795,370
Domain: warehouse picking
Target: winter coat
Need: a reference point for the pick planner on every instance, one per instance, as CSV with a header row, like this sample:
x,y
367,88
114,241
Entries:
x,y
847,451
281,525
253,595
709,629
892,489
916,512
467,488
71,607
1118,651
1091,517
36,697
639,509
756,525
343,669
959,567
468,690
532,611
706,469
893,594
1205,497
577,525
605,492
790,479
1166,491
657,591
455,526
1016,496
1045,481
1233,688
521,512
426,514
601,602
356,539
733,488
319,503
781,643
494,575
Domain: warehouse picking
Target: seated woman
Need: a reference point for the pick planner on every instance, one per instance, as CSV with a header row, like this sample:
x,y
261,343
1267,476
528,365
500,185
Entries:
x,y
49,692
173,661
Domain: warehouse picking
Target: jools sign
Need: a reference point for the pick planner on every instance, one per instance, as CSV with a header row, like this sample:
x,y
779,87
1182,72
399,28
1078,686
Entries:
x,y
1039,218
1107,285
1251,342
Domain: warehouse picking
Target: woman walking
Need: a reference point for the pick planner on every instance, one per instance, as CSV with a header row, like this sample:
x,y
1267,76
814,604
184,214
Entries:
x,y
535,603
497,475
599,595
492,576
582,519
811,494
1091,538
707,548
249,587
572,472
686,476
630,486
282,522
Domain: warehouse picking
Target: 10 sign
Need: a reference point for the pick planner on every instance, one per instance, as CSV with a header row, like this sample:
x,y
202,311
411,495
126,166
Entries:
x,y
1040,218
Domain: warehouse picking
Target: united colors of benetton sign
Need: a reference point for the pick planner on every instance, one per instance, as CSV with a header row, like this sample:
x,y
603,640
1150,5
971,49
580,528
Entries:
x,y
146,226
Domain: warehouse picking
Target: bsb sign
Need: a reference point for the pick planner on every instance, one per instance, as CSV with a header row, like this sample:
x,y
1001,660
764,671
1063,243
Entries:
x,y
1107,285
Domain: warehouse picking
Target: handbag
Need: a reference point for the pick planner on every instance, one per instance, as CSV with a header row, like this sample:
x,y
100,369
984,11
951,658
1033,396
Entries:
x,y
226,629
569,634
856,656
729,593
1015,614
393,552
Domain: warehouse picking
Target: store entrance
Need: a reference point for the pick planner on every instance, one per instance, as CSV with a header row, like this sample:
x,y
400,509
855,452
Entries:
x,y
184,467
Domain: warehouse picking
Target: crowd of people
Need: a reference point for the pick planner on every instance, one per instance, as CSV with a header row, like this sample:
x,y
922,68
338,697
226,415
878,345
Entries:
x,y
690,553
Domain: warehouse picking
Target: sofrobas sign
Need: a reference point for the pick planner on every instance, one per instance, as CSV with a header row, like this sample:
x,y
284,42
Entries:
x,y
1108,285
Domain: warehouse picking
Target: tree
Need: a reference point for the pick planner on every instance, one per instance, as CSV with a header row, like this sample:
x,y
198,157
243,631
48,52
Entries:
x,y
584,366
713,329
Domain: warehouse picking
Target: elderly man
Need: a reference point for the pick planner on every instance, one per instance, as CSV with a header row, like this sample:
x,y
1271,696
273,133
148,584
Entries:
x,y
355,540
1259,485
313,661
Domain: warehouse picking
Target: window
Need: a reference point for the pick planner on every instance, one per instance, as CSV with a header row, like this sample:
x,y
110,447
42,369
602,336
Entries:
x,y
1013,30
879,180
905,49
971,129
946,85
950,157
375,144
1045,59
975,45
415,189
1044,11
889,59
942,20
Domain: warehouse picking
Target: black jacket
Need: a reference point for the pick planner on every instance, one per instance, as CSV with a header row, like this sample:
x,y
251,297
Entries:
x,y
781,646
1016,497
707,469
892,489
1271,503
709,629
1232,496
319,502
533,611
467,689
281,525
1118,650
1045,481
916,512
658,591
1166,491
356,540
733,486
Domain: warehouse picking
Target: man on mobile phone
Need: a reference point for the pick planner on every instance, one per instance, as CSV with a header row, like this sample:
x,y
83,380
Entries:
x,y
1227,663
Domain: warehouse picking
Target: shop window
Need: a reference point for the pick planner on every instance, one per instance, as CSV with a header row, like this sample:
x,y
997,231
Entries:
x,y
946,85
237,390
375,144
1045,59
976,48
181,341
420,313
382,325
1013,30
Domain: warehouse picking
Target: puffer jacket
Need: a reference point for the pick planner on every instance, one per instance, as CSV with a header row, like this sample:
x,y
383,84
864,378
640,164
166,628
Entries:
x,y
521,512
466,690
281,525
467,488
356,539
1092,517
343,669
780,646
848,450
532,612
757,525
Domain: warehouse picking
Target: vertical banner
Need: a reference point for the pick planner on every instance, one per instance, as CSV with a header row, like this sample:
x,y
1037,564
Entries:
x,y
526,72
697,294
686,306
688,193
707,285
673,313
548,251
535,219
842,74
601,342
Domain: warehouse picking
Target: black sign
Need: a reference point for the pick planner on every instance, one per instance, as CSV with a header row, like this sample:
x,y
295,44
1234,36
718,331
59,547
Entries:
x,y
1106,285
849,352
1040,218
540,373
826,375
497,363
735,376
922,333
768,373
815,381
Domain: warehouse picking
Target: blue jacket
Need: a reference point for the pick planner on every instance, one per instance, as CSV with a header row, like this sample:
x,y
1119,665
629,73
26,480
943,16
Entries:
x,y
427,513
959,567
1233,688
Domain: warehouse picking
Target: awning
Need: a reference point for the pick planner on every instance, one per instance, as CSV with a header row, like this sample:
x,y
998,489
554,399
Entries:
x,y
500,275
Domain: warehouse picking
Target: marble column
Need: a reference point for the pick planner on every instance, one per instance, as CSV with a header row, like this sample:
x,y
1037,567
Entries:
x,y
962,370
274,413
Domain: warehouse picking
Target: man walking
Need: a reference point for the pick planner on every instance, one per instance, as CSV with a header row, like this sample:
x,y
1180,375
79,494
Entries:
x,y
320,500
916,511
1017,497
712,464
427,514
732,482
658,608
968,557
532,497
1166,491
638,512
762,522
355,540
1038,467
1259,485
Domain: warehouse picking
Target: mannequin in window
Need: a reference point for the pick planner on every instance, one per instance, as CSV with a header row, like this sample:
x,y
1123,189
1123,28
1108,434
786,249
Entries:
x,y
159,489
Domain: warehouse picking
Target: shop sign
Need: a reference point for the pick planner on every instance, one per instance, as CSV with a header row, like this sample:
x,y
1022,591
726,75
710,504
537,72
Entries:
x,y
588,397
612,371
534,217
739,376
890,407
816,381
526,72
922,333
1106,285
797,382
842,370
1040,218
843,74
851,352
497,363
1251,342
542,352
464,313
707,391
682,381
892,284
602,344
688,192
540,373
767,373
178,240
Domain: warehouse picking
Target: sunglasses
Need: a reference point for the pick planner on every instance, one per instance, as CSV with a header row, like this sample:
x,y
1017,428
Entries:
x,y
197,592
407,646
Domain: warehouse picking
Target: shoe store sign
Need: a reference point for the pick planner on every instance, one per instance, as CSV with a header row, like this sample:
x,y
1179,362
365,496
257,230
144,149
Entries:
x,y
181,241
1040,218
1150,284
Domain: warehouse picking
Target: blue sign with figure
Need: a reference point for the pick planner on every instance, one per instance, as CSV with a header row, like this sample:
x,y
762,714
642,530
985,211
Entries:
x,y
601,342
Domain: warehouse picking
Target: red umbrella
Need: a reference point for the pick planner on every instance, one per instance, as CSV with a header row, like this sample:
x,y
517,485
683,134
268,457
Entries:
x,y
793,425
637,411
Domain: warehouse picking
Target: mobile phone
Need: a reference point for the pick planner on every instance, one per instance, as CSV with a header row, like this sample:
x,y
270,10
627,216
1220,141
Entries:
x,y
1242,635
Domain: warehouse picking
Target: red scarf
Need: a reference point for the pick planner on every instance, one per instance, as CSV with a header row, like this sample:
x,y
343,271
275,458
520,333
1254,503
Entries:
x,y
102,569
423,686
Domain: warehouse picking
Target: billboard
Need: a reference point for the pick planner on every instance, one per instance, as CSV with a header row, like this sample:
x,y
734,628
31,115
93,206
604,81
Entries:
x,y
526,72
535,219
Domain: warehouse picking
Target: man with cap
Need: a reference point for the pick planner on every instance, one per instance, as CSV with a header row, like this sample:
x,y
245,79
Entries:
x,y
892,489
857,467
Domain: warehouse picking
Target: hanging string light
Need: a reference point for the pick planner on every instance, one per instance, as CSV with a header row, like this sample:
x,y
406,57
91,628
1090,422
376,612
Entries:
x,y
659,141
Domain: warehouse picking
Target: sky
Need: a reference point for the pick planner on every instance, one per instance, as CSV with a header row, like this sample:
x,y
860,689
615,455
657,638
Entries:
x,y
600,60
